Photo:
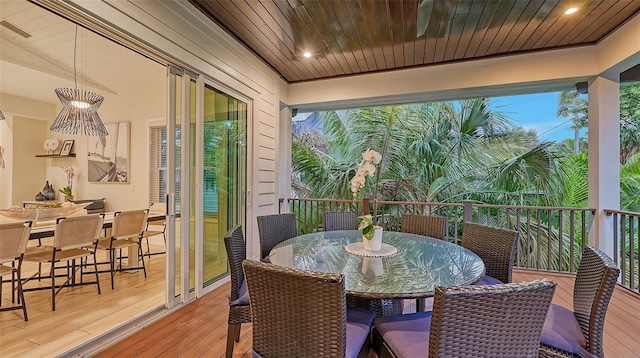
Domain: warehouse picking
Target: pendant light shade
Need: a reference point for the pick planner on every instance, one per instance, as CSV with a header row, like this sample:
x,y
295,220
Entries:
x,y
79,114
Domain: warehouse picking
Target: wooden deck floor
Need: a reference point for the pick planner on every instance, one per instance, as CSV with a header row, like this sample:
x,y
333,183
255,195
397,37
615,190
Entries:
x,y
200,328
622,326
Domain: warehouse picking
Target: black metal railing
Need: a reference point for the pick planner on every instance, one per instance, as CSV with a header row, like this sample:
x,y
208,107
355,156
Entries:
x,y
551,238
626,240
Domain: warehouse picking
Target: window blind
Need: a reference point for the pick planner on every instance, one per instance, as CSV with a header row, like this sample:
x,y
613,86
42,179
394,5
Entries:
x,y
157,164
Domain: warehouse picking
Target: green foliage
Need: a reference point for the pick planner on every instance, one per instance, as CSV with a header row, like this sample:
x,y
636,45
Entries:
x,y
629,122
66,191
575,106
446,151
365,224
630,184
568,184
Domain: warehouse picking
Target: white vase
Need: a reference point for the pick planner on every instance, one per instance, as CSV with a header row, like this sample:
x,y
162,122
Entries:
x,y
375,244
373,264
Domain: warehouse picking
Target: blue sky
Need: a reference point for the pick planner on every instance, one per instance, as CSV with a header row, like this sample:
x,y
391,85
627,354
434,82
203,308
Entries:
x,y
536,111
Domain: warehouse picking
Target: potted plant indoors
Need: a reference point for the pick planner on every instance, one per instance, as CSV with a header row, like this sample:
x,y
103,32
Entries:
x,y
66,191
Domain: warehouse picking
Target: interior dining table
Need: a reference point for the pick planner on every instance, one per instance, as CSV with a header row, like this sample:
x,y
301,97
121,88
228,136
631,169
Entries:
x,y
41,229
408,266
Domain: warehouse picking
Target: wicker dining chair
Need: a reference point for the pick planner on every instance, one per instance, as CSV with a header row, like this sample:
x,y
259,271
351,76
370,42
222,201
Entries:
x,y
495,246
470,321
239,308
13,243
579,332
299,313
432,226
75,238
341,220
274,229
126,232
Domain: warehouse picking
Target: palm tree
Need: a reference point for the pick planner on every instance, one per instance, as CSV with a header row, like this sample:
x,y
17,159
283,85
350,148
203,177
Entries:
x,y
446,151
629,122
630,184
572,104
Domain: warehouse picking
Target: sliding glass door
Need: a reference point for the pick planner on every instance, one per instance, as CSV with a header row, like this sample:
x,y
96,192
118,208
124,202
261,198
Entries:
x,y
173,188
207,143
224,176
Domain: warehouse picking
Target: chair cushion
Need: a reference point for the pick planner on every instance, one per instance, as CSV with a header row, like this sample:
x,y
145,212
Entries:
x,y
561,330
358,328
407,335
243,295
488,280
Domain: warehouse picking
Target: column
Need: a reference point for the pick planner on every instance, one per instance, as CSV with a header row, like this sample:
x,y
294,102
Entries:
x,y
284,156
604,158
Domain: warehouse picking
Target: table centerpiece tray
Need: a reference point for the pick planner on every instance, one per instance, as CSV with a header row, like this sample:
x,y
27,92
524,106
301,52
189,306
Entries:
x,y
44,211
357,248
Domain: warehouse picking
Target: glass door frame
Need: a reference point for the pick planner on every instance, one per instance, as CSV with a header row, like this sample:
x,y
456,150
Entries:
x,y
200,288
182,292
171,297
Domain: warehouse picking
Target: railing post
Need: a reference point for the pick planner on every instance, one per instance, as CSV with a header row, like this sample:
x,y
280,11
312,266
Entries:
x,y
467,211
284,206
365,206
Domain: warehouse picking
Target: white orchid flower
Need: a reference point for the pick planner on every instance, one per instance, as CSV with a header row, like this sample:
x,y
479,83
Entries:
x,y
372,156
367,169
364,168
357,183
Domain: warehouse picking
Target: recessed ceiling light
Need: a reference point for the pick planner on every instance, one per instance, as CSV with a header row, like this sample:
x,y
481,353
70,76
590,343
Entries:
x,y
571,11
307,54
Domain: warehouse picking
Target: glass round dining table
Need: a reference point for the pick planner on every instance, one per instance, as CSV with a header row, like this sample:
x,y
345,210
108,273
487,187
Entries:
x,y
418,266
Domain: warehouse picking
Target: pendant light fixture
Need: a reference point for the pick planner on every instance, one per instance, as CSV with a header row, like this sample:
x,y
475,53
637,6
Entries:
x,y
79,114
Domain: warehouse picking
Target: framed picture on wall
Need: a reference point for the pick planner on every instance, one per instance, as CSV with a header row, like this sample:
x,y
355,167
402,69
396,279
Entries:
x,y
66,147
108,156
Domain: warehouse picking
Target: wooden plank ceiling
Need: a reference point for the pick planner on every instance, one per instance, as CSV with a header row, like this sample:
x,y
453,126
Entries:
x,y
348,37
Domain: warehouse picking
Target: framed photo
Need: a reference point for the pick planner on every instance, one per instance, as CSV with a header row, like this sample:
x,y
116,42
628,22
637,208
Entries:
x,y
66,147
108,156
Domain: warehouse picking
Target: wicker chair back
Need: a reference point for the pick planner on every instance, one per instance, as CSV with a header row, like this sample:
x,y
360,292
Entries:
x,y
341,220
274,229
296,313
432,226
495,246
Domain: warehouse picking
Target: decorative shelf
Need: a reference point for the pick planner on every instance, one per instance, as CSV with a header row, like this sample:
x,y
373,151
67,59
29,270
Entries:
x,y
70,155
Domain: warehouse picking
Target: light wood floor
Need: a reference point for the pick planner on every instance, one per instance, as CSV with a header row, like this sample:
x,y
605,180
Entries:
x,y
200,329
81,314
